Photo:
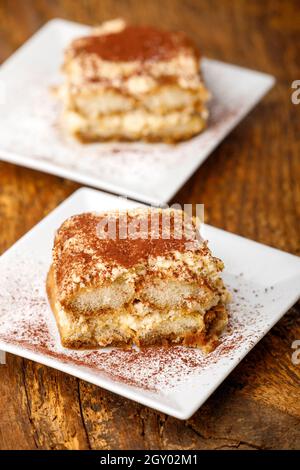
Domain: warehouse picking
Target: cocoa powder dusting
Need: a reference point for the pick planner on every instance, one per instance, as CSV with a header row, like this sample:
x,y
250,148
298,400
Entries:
x,y
129,250
135,43
26,321
85,255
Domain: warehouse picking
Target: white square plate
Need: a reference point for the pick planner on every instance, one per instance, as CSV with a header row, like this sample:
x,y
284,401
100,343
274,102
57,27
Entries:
x,y
30,134
265,283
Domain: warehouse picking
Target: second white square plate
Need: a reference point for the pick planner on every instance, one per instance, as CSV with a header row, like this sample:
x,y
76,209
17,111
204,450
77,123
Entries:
x,y
30,134
264,282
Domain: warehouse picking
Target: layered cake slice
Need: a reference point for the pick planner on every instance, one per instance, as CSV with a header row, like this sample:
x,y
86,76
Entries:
x,y
133,82
141,277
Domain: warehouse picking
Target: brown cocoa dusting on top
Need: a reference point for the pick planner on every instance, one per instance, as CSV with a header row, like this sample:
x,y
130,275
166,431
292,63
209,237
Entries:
x,y
85,254
127,251
135,43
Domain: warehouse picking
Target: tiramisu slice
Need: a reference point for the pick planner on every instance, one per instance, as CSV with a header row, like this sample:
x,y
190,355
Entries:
x,y
141,277
133,82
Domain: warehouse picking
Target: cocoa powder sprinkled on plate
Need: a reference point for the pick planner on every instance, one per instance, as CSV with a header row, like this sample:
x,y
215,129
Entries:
x,y
27,322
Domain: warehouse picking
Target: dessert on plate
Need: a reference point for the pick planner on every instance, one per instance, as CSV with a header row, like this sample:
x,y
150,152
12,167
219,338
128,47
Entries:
x,y
142,276
124,82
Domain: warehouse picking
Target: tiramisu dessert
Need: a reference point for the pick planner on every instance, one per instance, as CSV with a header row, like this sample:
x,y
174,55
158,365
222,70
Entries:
x,y
142,277
127,82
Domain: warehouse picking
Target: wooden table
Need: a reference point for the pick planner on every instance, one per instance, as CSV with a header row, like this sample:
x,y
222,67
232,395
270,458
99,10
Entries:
x,y
249,185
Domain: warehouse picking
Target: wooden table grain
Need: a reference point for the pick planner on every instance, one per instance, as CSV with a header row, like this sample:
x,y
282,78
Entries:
x,y
249,185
